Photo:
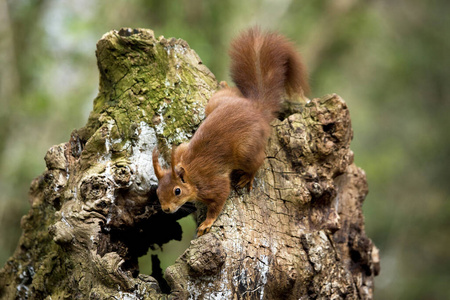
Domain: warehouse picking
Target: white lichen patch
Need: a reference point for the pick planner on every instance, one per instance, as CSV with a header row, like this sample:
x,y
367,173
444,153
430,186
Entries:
x,y
205,287
110,123
64,220
176,50
126,296
262,265
141,158
179,49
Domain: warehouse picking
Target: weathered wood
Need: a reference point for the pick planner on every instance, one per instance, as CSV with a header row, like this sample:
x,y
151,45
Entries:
x,y
298,234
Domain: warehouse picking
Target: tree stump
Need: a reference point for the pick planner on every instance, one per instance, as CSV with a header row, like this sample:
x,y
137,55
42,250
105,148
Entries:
x,y
298,234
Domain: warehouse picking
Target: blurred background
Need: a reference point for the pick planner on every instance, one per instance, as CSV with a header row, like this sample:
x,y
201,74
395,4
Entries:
x,y
388,59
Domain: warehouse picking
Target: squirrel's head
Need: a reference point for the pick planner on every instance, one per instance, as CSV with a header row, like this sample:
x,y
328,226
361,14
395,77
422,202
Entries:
x,y
174,187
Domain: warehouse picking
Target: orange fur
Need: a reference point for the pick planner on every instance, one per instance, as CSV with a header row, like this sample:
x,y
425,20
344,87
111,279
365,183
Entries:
x,y
234,134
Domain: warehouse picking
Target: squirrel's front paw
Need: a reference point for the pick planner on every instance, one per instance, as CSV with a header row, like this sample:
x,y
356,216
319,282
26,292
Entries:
x,y
205,227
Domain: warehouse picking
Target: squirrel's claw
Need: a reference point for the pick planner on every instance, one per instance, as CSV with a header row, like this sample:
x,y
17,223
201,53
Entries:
x,y
205,227
246,181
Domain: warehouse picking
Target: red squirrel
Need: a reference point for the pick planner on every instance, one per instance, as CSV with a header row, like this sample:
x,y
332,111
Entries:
x,y
233,137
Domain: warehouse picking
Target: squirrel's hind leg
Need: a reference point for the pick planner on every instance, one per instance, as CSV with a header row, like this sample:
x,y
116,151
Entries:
x,y
246,180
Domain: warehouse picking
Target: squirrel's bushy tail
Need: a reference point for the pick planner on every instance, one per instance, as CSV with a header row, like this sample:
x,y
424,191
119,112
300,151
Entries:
x,y
265,66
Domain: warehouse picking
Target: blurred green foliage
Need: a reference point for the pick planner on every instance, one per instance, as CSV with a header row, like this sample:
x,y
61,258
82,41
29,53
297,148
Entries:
x,y
388,59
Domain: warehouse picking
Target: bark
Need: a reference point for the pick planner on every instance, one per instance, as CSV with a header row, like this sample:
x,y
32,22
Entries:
x,y
298,235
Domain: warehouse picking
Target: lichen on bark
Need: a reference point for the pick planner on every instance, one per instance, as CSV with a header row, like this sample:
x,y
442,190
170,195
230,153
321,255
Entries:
x,y
299,234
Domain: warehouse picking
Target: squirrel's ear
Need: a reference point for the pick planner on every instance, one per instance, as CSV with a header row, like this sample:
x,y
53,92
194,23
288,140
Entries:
x,y
173,159
179,170
158,171
177,152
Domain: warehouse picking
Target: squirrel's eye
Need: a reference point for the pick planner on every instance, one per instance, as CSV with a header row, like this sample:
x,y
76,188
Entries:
x,y
177,191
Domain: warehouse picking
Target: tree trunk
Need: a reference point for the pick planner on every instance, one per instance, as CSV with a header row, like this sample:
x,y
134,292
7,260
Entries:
x,y
298,234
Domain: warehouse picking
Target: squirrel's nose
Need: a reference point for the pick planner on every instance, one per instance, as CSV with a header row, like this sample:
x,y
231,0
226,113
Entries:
x,y
166,210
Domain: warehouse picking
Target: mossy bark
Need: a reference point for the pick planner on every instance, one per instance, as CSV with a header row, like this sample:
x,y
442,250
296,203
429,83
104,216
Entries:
x,y
299,234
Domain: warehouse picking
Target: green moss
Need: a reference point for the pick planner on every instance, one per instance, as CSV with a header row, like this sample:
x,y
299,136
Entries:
x,y
159,82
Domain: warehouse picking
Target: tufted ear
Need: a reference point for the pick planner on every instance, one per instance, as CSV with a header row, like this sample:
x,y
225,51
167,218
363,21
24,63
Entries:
x,y
179,170
158,170
177,153
173,159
